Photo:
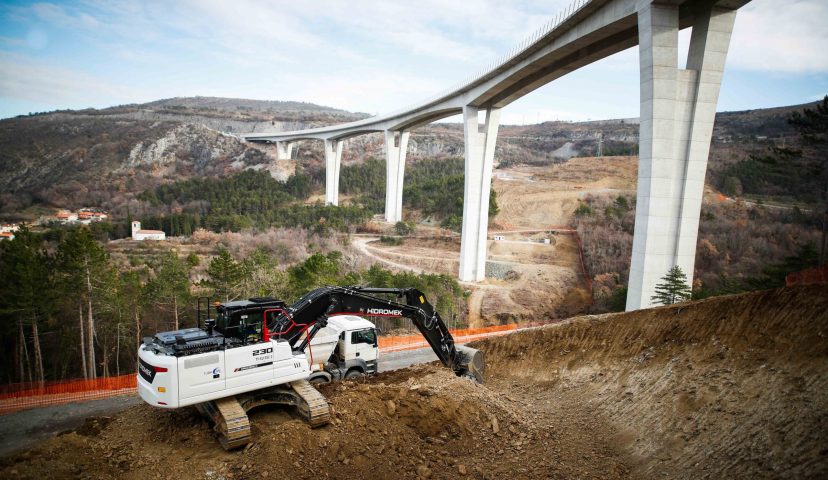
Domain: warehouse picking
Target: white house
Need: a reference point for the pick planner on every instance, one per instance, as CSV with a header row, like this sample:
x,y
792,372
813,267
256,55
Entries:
x,y
138,234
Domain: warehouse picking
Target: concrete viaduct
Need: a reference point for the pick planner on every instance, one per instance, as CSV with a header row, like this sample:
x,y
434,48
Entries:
x,y
678,107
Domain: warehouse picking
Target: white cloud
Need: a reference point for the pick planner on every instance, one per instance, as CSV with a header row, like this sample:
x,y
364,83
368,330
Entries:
x,y
781,36
23,79
366,55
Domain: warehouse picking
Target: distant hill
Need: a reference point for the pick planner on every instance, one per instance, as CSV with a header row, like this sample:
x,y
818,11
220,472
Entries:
x,y
105,157
243,104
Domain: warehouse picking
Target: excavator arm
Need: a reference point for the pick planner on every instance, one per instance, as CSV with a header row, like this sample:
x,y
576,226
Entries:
x,y
301,321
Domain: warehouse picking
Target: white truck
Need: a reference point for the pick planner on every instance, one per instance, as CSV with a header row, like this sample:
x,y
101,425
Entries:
x,y
346,348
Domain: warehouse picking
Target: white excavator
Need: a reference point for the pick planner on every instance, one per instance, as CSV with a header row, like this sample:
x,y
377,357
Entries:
x,y
262,351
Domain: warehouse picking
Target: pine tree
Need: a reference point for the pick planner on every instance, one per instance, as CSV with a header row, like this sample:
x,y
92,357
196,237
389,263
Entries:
x,y
81,267
171,285
226,275
26,296
673,289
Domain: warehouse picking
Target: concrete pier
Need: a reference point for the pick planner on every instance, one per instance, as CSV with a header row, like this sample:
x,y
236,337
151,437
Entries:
x,y
396,147
479,157
284,150
333,161
678,107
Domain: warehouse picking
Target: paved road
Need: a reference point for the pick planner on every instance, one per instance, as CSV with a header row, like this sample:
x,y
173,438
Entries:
x,y
21,430
405,358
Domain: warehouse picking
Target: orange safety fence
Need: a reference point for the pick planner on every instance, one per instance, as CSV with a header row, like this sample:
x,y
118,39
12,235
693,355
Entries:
x,y
461,335
28,395
22,396
587,278
812,276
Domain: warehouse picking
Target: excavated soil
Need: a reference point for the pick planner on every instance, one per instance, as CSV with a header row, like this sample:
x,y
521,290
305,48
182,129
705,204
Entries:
x,y
733,387
724,388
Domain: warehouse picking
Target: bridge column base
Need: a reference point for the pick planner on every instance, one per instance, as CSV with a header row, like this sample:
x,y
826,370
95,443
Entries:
x,y
396,147
333,160
284,150
479,156
678,108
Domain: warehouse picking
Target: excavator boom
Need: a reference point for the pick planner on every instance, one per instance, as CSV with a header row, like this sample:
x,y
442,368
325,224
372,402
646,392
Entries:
x,y
314,308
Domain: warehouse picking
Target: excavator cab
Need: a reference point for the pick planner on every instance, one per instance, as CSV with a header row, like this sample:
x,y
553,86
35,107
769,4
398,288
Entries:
x,y
244,320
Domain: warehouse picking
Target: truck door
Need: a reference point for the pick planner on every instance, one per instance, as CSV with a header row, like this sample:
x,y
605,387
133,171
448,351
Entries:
x,y
364,346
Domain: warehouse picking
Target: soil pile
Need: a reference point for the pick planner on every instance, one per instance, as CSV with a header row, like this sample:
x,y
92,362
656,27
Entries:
x,y
724,388
730,387
421,422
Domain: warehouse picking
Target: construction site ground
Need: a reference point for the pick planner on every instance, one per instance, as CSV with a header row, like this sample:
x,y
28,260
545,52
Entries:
x,y
730,387
527,280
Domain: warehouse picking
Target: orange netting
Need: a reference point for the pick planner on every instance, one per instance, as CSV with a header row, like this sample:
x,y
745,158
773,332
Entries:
x,y
27,395
811,276
461,335
587,278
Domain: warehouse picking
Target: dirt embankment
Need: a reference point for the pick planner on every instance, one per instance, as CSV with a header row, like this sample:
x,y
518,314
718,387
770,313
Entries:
x,y
421,422
724,388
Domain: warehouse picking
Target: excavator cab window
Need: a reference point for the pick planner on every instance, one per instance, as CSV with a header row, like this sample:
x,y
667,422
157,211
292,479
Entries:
x,y
368,335
243,325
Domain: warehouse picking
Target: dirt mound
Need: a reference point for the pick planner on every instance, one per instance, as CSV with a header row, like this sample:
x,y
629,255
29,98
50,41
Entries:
x,y
730,387
418,423
724,388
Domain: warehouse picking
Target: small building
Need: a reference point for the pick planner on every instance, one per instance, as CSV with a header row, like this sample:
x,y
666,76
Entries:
x,y
6,236
66,217
138,234
86,216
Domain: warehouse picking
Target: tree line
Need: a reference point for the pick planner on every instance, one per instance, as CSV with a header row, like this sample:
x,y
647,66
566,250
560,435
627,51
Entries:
x,y
249,199
68,310
796,172
433,186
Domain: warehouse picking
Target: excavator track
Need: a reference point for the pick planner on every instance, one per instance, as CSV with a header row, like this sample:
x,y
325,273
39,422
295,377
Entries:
x,y
230,421
313,406
229,415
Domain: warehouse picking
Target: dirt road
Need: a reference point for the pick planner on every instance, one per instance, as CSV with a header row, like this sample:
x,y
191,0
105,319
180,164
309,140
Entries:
x,y
529,280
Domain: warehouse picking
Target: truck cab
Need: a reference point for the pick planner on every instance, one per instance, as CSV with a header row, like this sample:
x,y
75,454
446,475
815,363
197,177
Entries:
x,y
346,348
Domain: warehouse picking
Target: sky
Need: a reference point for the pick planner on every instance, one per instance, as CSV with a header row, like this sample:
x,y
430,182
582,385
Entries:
x,y
372,56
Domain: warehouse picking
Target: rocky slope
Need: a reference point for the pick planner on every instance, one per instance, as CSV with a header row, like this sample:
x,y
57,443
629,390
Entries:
x,y
105,157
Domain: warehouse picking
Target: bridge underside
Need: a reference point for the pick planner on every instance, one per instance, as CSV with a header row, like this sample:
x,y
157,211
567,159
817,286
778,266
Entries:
x,y
677,110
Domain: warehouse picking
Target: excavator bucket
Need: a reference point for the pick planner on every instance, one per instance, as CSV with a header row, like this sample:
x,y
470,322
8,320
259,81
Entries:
x,y
472,365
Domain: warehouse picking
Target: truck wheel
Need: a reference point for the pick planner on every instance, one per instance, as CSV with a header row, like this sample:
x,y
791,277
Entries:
x,y
354,374
319,380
